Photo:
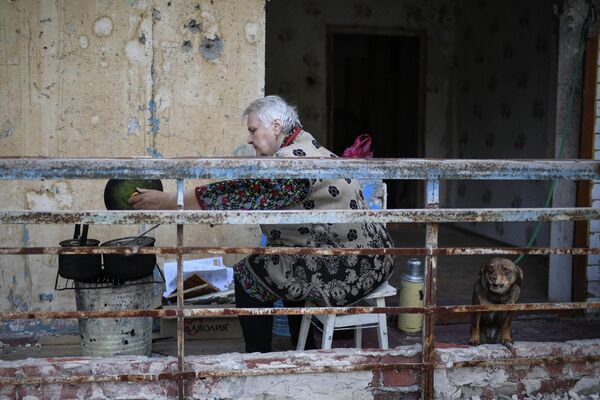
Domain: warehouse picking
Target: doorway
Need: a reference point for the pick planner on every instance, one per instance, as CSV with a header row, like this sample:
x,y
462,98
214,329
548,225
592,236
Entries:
x,y
374,86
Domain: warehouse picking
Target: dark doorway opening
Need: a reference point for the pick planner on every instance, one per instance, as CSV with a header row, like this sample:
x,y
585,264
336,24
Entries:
x,y
374,87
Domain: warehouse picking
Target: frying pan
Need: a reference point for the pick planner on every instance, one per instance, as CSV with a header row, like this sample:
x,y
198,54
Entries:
x,y
118,191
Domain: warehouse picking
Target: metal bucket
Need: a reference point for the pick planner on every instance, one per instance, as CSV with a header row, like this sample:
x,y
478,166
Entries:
x,y
105,337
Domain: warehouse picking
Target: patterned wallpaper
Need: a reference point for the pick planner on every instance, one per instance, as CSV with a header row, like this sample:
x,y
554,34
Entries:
x,y
490,84
506,74
296,54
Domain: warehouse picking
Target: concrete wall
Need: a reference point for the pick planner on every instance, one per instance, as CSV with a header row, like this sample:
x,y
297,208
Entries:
x,y
559,380
116,79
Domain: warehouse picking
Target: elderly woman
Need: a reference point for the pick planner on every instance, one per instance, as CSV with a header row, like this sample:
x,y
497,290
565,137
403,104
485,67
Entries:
x,y
275,130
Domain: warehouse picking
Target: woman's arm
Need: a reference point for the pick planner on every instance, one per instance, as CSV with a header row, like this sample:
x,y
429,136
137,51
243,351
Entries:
x,y
149,199
238,194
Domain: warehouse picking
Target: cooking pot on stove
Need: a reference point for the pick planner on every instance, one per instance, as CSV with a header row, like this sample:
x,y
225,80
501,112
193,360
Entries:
x,y
124,267
80,267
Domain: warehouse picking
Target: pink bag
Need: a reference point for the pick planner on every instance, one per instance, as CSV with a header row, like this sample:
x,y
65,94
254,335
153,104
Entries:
x,y
361,148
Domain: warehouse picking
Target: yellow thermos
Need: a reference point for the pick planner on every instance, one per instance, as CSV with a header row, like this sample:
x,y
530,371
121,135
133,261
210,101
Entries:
x,y
411,295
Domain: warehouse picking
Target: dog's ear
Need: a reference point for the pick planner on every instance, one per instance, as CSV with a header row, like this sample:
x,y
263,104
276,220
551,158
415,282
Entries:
x,y
482,270
519,273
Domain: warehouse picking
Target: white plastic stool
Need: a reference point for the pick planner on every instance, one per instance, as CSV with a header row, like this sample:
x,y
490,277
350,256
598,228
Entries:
x,y
358,322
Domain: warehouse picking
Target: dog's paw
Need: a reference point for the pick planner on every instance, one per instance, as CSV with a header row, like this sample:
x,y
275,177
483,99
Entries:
x,y
474,342
508,342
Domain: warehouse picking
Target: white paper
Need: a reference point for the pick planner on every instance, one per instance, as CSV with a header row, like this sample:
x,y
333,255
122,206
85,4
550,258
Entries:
x,y
210,269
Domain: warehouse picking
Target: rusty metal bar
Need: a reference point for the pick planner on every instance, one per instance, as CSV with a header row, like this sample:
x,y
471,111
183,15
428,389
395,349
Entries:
x,y
521,361
209,374
431,170
261,167
299,216
77,379
86,314
431,242
411,251
216,312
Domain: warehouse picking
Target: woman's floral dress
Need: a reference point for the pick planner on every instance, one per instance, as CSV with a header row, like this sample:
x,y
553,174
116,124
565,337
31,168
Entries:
x,y
326,280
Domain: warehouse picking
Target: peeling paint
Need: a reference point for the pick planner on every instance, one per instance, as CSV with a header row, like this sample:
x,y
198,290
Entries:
x,y
17,302
135,51
154,122
55,197
251,32
133,126
156,15
211,27
70,28
83,42
103,26
103,62
153,152
211,49
163,100
7,129
25,236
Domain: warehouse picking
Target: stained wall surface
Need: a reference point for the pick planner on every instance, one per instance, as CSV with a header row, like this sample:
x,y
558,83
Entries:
x,y
117,79
297,55
506,74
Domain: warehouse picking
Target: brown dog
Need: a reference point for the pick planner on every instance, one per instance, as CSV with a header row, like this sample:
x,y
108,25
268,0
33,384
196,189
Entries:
x,y
499,283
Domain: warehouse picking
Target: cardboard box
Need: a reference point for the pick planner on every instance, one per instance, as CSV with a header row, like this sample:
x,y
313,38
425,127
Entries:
x,y
204,328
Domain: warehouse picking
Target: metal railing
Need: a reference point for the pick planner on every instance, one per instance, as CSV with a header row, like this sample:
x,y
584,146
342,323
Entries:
x,y
430,171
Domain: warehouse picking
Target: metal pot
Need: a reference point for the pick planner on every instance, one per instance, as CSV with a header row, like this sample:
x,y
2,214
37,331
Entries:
x,y
80,267
124,267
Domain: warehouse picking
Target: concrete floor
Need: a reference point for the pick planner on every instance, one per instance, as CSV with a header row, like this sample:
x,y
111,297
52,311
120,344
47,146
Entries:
x,y
456,276
525,329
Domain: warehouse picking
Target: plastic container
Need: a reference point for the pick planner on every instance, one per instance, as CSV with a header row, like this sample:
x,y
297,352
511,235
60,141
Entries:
x,y
280,322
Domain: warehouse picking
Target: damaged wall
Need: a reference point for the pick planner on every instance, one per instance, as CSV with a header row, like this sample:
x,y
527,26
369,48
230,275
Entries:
x,y
116,79
552,380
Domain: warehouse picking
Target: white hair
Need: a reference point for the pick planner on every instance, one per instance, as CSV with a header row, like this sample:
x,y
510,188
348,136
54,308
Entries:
x,y
270,108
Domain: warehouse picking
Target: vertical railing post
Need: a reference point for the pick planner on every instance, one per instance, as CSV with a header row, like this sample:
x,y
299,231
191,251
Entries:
x,y
180,316
431,242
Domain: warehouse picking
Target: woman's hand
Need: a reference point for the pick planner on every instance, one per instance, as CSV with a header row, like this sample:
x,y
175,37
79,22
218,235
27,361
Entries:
x,y
150,199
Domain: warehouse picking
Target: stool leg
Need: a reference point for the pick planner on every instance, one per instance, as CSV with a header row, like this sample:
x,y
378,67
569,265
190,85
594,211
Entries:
x,y
358,337
304,327
328,328
382,333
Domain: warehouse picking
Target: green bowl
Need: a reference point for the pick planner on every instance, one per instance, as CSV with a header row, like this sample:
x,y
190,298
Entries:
x,y
118,191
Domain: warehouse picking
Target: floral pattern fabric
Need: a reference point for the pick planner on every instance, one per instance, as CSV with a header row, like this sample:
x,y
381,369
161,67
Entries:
x,y
252,194
326,280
